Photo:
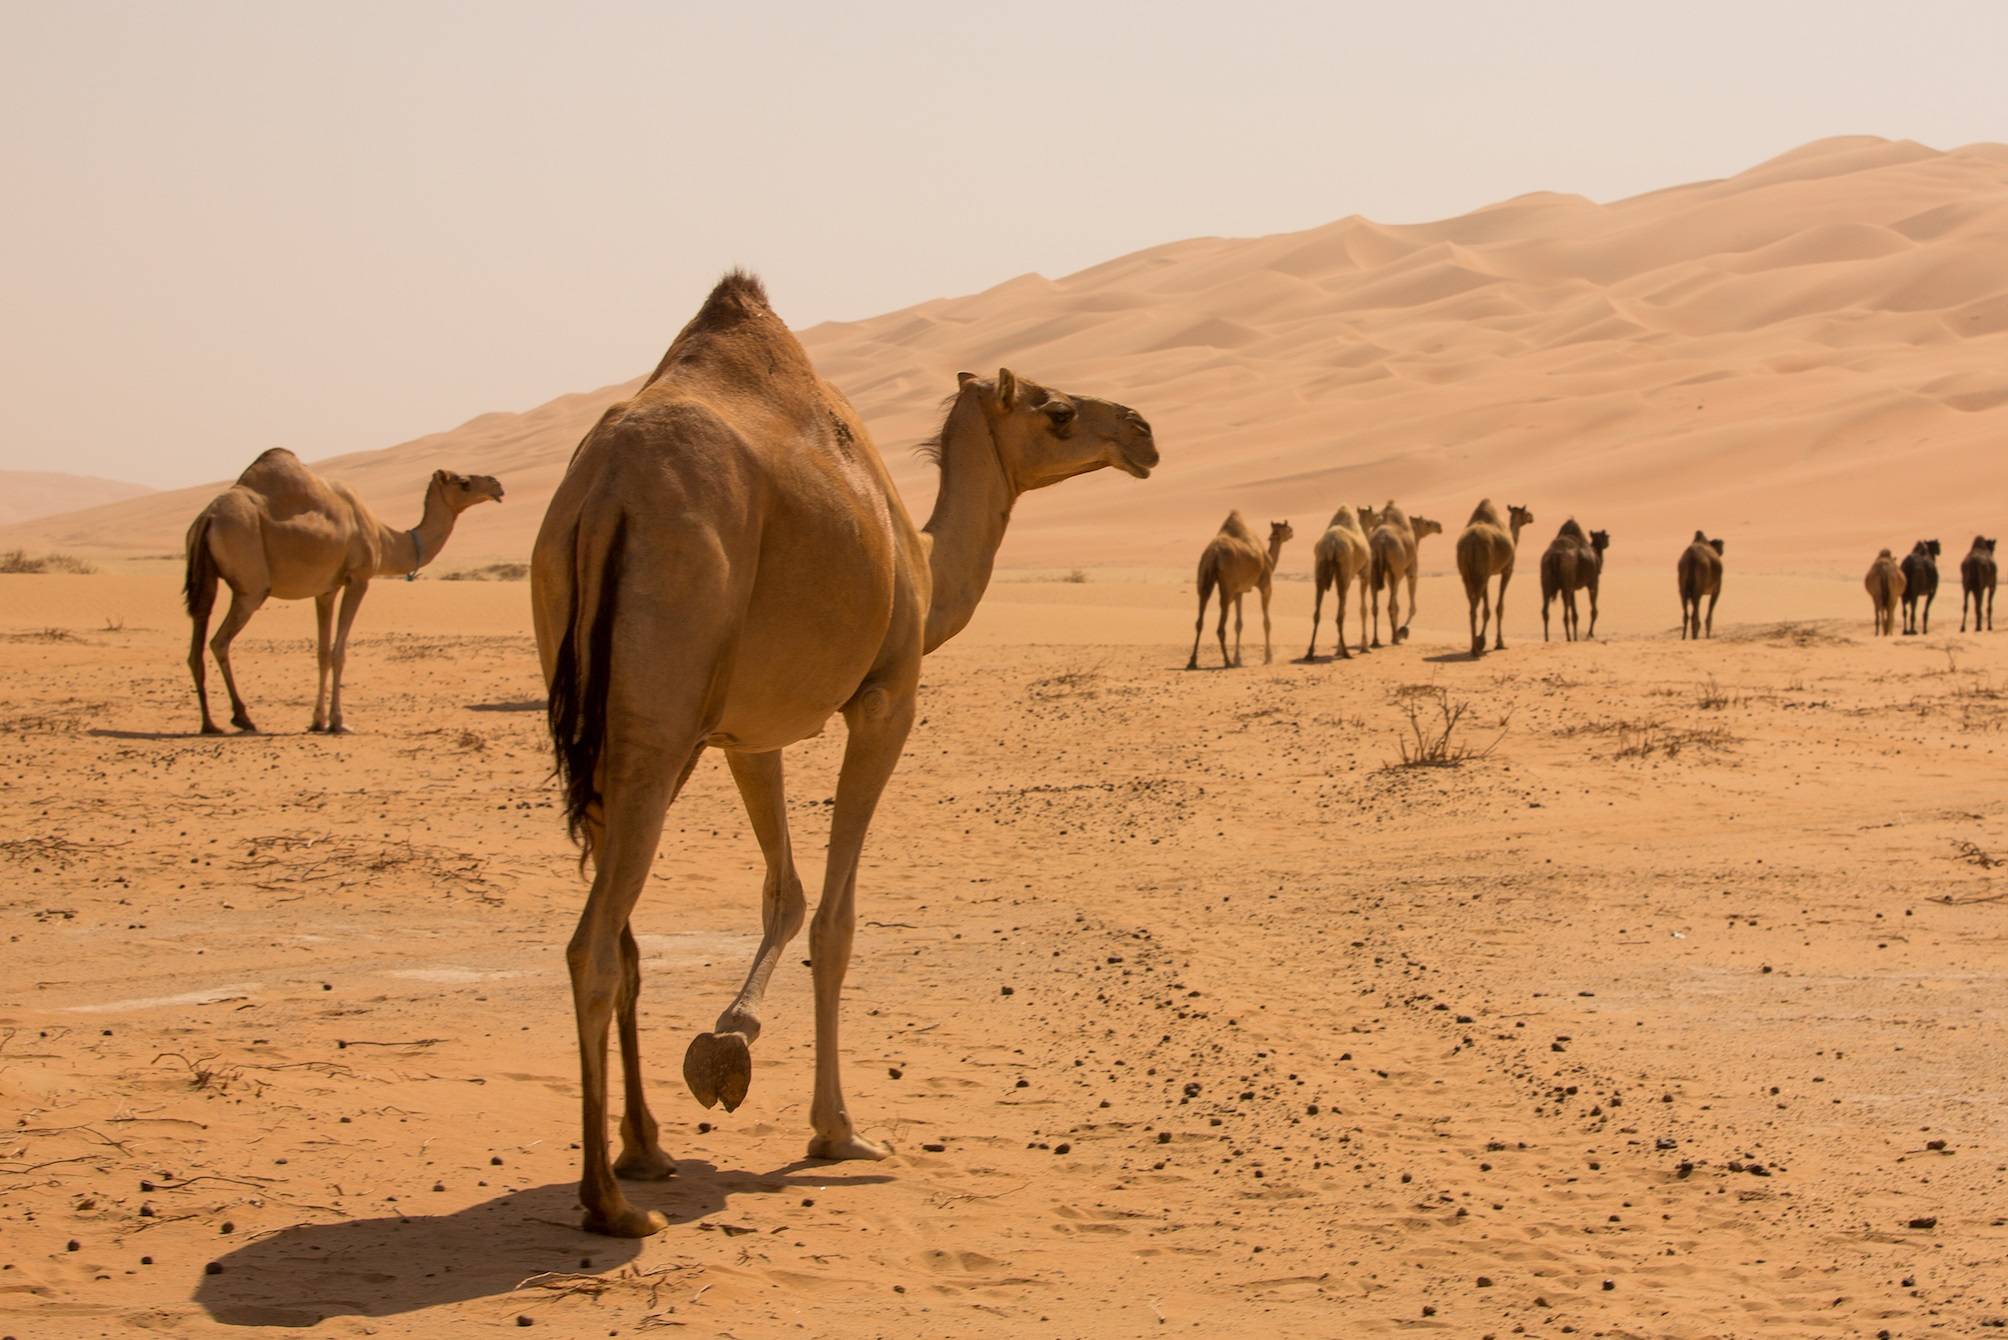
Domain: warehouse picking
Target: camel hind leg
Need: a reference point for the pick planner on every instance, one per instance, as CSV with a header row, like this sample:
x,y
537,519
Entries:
x,y
324,656
1401,633
1321,577
1237,626
202,602
718,1067
1199,624
1713,596
243,604
1499,613
1395,629
1268,652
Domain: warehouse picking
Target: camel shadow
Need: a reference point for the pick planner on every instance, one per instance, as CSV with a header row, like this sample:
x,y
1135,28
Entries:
x,y
303,1275
1456,657
109,734
517,705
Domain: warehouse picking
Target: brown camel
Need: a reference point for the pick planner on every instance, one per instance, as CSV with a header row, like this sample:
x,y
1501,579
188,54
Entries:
x,y
1700,574
1977,577
727,563
1573,562
1393,544
281,530
1920,582
1235,563
1885,587
1340,560
1485,549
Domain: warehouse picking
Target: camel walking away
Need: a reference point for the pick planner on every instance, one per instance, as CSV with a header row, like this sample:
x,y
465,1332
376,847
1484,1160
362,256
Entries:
x,y
1340,560
1920,582
1573,562
281,530
1699,573
1394,544
1977,576
1235,563
1885,587
727,563
1485,548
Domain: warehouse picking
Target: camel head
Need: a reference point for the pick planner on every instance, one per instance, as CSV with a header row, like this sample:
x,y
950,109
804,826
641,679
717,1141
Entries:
x,y
1990,546
1600,540
461,492
1369,517
1279,533
1423,526
1044,436
1931,547
1716,545
1519,516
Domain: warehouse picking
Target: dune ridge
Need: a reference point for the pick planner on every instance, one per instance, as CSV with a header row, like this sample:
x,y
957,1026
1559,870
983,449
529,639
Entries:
x,y
1717,353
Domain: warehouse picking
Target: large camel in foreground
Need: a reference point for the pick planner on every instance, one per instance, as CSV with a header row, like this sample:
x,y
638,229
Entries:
x,y
1573,562
1699,573
727,563
1485,549
1920,582
281,530
1235,563
1339,559
1394,543
1977,577
1885,587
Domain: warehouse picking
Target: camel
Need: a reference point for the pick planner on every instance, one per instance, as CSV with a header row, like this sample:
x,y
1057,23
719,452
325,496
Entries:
x,y
1976,578
1394,542
1235,563
1700,574
1920,582
1885,587
281,530
1485,549
1340,560
726,563
1573,562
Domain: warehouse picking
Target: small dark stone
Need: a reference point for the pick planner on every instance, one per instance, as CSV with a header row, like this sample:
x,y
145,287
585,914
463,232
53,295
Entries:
x,y
213,1268
1063,1148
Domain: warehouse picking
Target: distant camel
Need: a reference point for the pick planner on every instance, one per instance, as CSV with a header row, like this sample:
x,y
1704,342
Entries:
x,y
281,530
1885,587
1572,562
1394,543
1700,573
1920,582
1235,563
726,564
1977,578
1483,550
1340,560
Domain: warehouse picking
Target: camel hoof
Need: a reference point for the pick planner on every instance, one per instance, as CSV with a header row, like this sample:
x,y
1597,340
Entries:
x,y
623,1220
851,1147
211,728
718,1067
646,1164
244,726
337,728
317,728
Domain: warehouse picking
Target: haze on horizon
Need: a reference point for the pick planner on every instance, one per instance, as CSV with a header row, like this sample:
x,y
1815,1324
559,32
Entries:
x,y
237,226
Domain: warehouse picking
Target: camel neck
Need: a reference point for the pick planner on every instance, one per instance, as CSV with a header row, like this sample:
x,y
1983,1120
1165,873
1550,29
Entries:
x,y
1275,550
971,510
406,551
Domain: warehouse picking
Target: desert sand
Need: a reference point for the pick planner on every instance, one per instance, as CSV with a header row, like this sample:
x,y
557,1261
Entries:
x,y
1677,1014
26,495
1671,1009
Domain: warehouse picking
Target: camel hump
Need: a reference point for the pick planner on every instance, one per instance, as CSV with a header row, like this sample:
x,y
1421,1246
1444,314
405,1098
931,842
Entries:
x,y
1885,554
274,469
1237,527
735,297
1572,530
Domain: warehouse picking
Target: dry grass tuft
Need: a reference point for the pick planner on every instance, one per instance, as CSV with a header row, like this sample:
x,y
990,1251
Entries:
x,y
1432,740
20,561
492,572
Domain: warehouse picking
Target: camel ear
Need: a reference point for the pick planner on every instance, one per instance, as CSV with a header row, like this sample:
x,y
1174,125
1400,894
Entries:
x,y
1007,388
964,378
1716,545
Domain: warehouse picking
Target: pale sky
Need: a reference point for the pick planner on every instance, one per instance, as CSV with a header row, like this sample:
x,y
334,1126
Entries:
x,y
332,227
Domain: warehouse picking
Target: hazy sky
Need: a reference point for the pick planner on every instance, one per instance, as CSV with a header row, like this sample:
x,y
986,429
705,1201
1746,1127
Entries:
x,y
333,227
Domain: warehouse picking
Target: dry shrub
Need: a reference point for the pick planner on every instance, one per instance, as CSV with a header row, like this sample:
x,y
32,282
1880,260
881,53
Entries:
x,y
20,561
492,572
1432,740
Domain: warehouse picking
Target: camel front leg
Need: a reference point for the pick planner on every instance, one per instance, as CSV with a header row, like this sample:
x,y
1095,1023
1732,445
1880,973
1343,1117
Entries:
x,y
641,1150
243,604
1394,625
324,630
1237,627
1472,599
1924,625
878,730
1339,623
1499,613
1376,603
1713,597
1268,653
1199,624
1402,635
1593,610
352,599
1547,599
718,1067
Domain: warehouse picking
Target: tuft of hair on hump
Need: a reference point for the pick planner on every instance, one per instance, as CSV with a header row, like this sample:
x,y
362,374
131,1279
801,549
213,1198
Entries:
x,y
738,294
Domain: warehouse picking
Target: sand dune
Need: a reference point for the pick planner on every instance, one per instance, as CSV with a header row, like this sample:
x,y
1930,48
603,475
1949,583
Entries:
x,y
1727,353
28,494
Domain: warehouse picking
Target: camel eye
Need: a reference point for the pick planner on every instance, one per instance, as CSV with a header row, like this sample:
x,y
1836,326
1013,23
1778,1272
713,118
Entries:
x,y
1061,416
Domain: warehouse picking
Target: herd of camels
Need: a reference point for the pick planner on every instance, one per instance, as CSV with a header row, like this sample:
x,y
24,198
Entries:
x,y
726,563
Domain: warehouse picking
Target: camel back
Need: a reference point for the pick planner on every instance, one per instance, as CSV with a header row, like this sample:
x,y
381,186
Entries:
x,y
1487,514
1238,528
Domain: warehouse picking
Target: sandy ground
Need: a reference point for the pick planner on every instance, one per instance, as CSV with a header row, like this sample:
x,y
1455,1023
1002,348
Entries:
x,y
1678,1014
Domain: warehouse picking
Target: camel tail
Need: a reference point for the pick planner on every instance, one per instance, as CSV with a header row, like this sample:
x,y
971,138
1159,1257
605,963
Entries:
x,y
1377,569
198,581
577,710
